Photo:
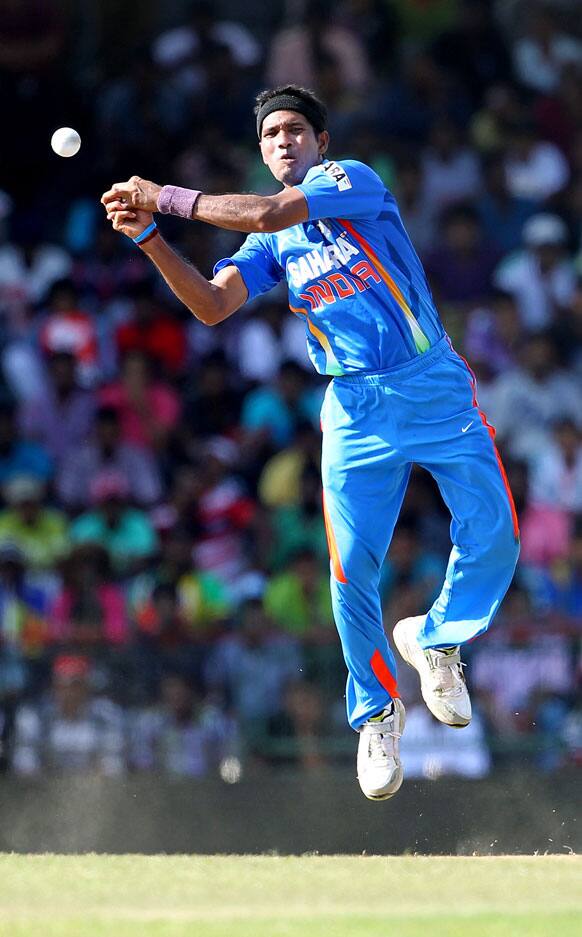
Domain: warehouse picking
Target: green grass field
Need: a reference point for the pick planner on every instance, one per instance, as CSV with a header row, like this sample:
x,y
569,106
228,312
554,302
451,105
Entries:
x,y
269,896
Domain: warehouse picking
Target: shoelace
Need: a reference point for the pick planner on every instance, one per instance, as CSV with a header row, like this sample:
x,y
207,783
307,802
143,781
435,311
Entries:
x,y
448,673
380,736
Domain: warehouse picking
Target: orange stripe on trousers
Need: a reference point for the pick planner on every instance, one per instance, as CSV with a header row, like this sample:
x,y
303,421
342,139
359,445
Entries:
x,y
334,556
383,674
491,431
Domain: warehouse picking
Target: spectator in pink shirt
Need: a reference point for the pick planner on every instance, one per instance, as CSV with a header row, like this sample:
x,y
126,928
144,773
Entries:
x,y
297,49
148,409
61,417
89,613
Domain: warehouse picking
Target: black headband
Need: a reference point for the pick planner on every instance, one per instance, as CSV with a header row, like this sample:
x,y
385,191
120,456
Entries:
x,y
290,102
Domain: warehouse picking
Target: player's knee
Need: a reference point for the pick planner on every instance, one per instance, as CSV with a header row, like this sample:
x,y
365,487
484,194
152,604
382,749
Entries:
x,y
503,545
510,553
356,562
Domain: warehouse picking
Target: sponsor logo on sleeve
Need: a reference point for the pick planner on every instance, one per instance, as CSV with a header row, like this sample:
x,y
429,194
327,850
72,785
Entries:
x,y
338,174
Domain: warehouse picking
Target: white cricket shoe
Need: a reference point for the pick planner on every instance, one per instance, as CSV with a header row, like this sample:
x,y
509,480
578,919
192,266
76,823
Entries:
x,y
442,682
379,769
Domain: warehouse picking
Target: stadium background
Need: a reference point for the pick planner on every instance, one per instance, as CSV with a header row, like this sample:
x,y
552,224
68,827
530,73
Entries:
x,y
163,567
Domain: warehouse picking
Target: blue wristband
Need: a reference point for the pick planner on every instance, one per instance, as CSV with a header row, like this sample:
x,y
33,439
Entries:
x,y
144,234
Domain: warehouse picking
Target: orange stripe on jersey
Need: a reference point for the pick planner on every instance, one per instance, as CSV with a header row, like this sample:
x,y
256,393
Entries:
x,y
369,251
334,556
321,338
383,674
420,340
332,366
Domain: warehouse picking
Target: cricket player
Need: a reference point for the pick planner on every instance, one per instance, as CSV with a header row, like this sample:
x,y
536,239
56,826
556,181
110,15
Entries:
x,y
399,394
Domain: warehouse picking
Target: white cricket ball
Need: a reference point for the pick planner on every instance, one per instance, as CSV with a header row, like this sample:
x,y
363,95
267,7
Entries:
x,y
65,141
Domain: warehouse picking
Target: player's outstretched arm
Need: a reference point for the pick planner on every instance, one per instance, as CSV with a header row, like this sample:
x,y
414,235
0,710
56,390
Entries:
x,y
211,301
253,213
246,213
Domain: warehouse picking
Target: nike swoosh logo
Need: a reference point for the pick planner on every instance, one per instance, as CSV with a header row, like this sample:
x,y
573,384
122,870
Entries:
x,y
465,428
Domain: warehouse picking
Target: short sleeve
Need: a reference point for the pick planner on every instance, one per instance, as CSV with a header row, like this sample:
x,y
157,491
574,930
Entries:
x,y
255,262
349,189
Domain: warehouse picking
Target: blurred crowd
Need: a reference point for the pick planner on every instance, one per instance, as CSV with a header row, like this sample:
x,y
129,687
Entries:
x,y
164,601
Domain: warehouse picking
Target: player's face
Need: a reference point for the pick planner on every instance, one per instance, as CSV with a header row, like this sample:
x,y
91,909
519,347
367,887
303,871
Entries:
x,y
290,146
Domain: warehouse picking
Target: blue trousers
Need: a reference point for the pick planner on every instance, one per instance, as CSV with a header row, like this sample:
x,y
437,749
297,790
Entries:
x,y
374,427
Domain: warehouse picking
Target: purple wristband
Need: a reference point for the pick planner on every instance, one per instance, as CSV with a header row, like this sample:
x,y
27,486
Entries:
x,y
174,200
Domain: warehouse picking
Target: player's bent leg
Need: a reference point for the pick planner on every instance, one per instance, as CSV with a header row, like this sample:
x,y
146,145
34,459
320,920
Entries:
x,y
480,569
479,572
460,453
442,681
457,448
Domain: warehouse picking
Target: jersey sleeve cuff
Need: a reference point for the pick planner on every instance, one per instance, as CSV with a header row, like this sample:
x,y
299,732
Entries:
x,y
311,203
229,262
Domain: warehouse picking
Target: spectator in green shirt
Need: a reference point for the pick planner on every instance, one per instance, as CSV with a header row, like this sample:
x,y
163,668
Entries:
x,y
300,526
202,598
125,532
299,601
280,483
40,532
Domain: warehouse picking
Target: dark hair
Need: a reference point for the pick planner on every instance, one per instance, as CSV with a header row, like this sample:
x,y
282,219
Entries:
x,y
165,590
141,289
459,211
316,109
214,359
64,285
107,415
497,295
409,521
8,408
301,553
564,422
291,368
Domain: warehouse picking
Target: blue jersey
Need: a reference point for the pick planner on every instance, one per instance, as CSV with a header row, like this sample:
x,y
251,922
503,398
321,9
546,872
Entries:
x,y
352,273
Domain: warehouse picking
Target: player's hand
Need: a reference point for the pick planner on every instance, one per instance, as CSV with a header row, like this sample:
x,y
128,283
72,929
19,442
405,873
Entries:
x,y
135,193
130,223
